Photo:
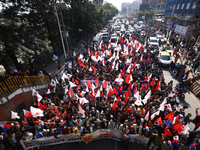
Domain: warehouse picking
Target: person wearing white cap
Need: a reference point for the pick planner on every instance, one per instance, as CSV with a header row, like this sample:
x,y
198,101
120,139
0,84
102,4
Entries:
x,y
111,124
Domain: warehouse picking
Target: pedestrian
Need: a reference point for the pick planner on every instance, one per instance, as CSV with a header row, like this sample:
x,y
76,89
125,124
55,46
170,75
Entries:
x,y
196,120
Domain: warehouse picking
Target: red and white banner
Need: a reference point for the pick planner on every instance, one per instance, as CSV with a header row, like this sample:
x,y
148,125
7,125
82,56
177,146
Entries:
x,y
99,134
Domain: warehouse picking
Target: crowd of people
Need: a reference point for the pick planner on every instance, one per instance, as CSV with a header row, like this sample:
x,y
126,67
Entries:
x,y
122,88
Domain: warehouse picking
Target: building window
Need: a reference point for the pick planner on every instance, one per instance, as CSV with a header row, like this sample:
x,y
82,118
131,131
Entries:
x,y
186,11
183,2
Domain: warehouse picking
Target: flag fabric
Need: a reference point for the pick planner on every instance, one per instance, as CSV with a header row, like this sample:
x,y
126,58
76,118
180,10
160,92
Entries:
x,y
56,110
34,92
138,103
36,112
89,85
170,115
115,91
72,84
53,83
129,78
193,146
80,110
158,86
167,131
48,91
40,106
152,83
159,121
14,115
186,130
27,114
147,116
71,93
147,96
178,127
104,84
155,114
39,97
98,94
169,107
83,100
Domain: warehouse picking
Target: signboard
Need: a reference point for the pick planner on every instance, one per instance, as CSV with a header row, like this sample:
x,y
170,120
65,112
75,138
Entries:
x,y
69,138
198,40
181,30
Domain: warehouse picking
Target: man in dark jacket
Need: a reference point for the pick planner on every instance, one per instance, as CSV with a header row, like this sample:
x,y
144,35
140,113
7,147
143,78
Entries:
x,y
196,120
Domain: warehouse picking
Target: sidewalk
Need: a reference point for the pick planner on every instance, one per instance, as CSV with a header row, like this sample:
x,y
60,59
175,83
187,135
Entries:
x,y
52,68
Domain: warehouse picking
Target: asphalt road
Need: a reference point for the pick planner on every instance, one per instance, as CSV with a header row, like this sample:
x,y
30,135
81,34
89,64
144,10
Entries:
x,y
190,99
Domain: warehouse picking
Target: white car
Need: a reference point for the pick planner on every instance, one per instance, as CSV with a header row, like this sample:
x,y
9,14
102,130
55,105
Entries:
x,y
113,35
153,41
113,41
160,38
164,59
167,48
142,33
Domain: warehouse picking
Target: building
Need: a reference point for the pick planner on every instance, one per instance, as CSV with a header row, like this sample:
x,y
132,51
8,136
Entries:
x,y
181,7
136,5
124,5
146,1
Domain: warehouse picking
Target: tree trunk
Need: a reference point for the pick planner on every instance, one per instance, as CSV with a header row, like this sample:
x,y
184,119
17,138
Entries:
x,y
14,59
4,63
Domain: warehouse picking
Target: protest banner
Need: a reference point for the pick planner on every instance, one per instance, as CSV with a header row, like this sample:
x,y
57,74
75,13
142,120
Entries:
x,y
69,138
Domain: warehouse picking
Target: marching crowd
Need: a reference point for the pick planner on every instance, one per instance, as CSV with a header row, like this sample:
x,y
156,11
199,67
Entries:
x,y
108,87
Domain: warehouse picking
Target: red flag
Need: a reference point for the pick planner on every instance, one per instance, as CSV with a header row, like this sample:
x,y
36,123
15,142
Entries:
x,y
80,64
91,53
76,81
135,90
170,116
141,47
96,82
45,106
159,121
135,46
104,84
89,84
115,91
158,86
114,106
152,83
148,58
28,114
167,132
94,69
56,110
127,96
106,46
40,106
71,93
133,66
127,79
121,88
178,127
147,78
78,88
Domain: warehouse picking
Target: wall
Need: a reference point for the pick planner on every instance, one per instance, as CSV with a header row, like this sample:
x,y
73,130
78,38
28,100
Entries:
x,y
19,100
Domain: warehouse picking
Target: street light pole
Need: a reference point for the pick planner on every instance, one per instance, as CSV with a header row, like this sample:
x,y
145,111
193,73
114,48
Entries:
x,y
170,19
60,33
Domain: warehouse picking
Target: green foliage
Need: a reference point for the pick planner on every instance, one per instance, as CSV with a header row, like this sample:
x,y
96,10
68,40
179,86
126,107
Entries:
x,y
29,27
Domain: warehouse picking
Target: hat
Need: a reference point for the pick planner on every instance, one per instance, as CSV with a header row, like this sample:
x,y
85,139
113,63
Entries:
x,y
79,127
169,142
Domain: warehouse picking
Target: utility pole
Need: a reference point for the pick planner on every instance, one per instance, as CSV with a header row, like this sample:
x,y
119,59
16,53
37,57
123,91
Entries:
x,y
60,33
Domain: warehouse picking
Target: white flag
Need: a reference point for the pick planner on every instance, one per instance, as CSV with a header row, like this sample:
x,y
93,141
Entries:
x,y
147,96
14,115
39,97
72,84
162,105
70,65
64,76
34,92
138,103
155,114
147,117
55,57
98,94
36,112
69,76
48,91
169,107
186,129
83,100
53,83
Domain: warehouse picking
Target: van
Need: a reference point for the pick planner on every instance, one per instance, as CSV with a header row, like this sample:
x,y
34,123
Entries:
x,y
96,40
105,37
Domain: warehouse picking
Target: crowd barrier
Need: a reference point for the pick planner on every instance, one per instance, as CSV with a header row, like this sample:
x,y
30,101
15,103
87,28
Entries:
x,y
69,138
14,83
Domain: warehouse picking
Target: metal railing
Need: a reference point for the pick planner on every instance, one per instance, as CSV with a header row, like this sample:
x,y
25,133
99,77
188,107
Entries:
x,y
13,83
